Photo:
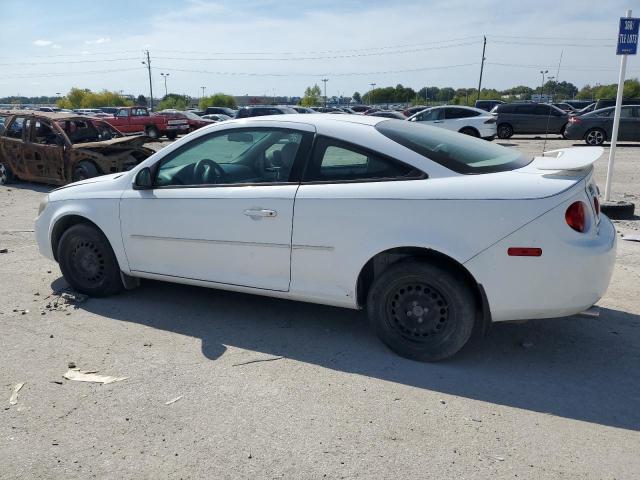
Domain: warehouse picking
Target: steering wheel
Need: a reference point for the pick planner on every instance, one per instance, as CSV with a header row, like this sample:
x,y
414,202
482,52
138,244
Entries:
x,y
208,171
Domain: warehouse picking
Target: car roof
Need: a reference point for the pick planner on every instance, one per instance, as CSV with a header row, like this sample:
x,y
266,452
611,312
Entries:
x,y
49,115
316,120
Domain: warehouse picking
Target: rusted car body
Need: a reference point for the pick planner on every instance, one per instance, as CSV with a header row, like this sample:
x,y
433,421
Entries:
x,y
58,148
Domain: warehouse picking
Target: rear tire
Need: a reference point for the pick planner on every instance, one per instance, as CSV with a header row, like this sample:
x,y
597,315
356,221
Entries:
x,y
421,311
85,170
152,132
172,135
87,261
6,175
595,137
472,132
505,131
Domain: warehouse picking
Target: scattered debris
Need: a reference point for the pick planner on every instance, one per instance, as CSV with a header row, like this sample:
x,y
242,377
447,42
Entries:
x,y
174,400
62,300
147,344
57,381
270,359
14,395
24,312
443,402
4,250
498,457
526,344
90,376
628,238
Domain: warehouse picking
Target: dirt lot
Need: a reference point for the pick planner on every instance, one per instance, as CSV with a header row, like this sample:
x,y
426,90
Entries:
x,y
549,399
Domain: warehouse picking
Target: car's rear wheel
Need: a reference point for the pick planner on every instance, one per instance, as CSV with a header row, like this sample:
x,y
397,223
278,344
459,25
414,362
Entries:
x,y
472,132
172,135
87,261
421,311
84,170
152,132
505,131
6,175
594,137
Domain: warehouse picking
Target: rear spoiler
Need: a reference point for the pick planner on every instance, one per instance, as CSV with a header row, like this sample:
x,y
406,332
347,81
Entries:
x,y
576,158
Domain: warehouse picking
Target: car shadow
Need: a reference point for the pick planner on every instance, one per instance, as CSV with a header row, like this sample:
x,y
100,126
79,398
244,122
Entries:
x,y
578,368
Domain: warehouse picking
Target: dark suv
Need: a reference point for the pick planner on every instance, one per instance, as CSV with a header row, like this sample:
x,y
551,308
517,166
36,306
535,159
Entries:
x,y
229,112
258,111
611,102
487,104
529,118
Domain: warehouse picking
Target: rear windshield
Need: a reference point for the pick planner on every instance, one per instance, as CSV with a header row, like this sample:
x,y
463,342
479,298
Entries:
x,y
455,151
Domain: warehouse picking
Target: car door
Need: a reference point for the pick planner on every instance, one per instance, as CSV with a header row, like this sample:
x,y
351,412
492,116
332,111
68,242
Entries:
x,y
432,116
221,208
12,144
452,118
123,121
44,152
629,129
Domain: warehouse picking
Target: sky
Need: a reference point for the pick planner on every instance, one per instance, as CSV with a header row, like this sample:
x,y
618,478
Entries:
x,y
252,47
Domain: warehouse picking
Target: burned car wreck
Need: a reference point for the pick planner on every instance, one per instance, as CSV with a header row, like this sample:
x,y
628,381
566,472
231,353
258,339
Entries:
x,y
59,148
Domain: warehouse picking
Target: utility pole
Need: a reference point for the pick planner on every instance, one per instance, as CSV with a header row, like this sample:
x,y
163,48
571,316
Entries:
x,y
373,87
484,47
543,72
202,92
325,80
148,64
165,75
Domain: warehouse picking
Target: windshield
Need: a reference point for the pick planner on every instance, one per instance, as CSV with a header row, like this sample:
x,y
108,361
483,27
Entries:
x,y
455,151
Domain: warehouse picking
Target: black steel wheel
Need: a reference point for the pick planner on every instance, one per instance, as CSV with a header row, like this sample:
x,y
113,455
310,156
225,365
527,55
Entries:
x,y
421,311
87,261
85,170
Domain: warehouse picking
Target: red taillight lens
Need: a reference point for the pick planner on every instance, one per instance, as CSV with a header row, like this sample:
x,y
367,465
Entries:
x,y
576,216
596,206
575,120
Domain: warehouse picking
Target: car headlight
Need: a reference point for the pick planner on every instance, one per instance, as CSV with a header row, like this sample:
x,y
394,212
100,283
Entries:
x,y
43,204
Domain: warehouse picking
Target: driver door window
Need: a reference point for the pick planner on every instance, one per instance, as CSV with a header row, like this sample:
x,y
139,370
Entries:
x,y
248,156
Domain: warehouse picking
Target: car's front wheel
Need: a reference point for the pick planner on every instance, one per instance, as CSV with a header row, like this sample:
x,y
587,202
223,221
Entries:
x,y
594,137
505,131
87,261
172,135
152,132
85,170
6,175
421,311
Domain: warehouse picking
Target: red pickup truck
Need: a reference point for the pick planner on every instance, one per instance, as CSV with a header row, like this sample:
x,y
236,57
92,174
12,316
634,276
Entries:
x,y
139,120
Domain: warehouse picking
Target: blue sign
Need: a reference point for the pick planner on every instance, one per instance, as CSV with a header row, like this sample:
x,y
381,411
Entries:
x,y
628,36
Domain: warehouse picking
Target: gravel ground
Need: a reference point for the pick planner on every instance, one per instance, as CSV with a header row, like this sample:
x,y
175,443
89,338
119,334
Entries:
x,y
554,399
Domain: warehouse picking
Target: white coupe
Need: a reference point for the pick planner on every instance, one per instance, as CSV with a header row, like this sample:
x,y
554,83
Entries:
x,y
435,233
467,120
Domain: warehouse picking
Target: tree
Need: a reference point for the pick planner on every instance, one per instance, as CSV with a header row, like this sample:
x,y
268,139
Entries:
x,y
174,101
218,100
141,100
311,96
356,97
631,90
85,98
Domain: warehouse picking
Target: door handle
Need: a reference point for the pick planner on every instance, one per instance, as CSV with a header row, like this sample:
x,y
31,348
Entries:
x,y
260,212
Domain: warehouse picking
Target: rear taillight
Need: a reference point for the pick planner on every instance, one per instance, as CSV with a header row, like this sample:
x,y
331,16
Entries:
x,y
576,216
575,120
596,206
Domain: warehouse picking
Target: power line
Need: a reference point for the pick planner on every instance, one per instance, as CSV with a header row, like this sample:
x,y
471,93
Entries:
x,y
71,62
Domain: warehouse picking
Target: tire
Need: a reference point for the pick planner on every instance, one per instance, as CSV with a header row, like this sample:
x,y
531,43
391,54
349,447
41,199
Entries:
x,y
87,261
84,170
595,137
505,131
172,135
472,132
618,210
6,175
421,311
152,132
563,131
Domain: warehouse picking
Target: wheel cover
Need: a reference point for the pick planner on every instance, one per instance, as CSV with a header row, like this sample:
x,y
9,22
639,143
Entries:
x,y
87,262
595,137
418,312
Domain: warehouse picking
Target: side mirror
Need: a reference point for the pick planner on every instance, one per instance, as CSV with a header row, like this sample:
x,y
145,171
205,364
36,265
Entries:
x,y
143,180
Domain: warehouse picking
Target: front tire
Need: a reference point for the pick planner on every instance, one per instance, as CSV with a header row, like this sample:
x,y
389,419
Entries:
x,y
421,311
87,261
505,131
594,137
152,132
6,175
85,170
172,135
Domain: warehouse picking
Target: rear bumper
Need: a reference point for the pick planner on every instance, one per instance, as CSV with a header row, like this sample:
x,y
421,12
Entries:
x,y
572,274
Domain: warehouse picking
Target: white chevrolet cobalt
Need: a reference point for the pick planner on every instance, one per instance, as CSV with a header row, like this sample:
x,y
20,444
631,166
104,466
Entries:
x,y
435,233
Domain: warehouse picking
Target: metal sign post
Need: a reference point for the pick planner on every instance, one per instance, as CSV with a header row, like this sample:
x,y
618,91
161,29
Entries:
x,y
627,45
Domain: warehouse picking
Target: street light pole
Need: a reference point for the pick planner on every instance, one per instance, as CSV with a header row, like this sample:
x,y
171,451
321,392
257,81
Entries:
x,y
484,47
148,64
165,75
373,88
202,92
325,80
543,72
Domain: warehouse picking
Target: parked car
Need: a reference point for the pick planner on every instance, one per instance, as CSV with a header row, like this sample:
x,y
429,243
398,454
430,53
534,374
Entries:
x,y
389,114
230,112
487,105
595,128
565,107
140,120
258,111
359,108
216,117
611,102
194,121
587,109
467,120
409,112
110,110
58,148
516,118
301,109
459,232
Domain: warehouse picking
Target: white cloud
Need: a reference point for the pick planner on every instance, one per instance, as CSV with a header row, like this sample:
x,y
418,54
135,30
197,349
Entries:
x,y
97,41
56,46
42,43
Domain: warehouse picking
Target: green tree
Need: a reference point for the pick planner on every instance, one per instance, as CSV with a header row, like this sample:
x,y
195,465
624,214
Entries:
x,y
356,97
174,101
217,100
85,98
311,96
141,100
